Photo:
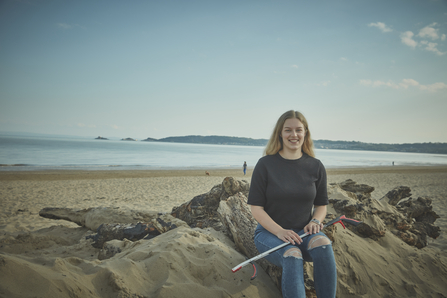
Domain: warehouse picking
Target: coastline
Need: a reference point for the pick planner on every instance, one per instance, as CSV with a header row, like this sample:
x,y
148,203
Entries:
x,y
67,174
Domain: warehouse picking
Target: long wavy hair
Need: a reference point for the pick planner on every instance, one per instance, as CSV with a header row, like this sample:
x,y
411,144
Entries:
x,y
275,143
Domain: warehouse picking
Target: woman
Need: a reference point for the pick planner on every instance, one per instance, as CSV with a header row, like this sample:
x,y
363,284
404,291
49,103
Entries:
x,y
288,197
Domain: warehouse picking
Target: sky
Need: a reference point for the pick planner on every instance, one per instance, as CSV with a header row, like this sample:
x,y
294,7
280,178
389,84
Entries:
x,y
359,70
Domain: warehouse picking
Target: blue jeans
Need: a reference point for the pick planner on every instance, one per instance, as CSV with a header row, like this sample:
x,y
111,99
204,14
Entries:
x,y
292,283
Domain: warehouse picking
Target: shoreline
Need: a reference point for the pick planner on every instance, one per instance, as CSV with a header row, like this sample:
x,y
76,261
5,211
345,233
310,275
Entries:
x,y
75,174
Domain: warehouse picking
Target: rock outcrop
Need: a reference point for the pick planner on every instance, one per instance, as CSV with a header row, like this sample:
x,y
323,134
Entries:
x,y
411,220
116,223
201,211
393,219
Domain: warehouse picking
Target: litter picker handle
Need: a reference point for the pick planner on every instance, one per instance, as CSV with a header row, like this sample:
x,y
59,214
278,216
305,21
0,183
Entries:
x,y
260,256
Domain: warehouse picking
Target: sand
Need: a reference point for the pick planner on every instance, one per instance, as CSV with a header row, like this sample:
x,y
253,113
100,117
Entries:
x,y
41,257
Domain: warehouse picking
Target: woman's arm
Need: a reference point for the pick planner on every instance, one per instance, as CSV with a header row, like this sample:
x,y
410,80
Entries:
x,y
320,214
270,225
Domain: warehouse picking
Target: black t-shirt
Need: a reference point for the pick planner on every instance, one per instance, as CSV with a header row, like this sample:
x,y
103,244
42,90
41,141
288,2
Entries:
x,y
288,189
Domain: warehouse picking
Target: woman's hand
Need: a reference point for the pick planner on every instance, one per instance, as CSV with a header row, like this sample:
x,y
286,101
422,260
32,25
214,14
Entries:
x,y
313,228
289,236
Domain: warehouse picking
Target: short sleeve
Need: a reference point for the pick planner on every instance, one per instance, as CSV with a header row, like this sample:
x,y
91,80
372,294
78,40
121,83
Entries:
x,y
256,195
321,197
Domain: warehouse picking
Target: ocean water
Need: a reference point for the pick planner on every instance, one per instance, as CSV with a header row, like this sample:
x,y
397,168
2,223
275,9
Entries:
x,y
45,152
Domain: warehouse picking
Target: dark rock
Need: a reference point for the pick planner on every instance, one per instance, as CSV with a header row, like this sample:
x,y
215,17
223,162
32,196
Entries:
x,y
201,211
419,209
411,220
352,186
107,232
397,194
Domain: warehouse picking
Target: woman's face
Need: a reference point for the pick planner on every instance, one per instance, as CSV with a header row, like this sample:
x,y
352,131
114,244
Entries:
x,y
293,134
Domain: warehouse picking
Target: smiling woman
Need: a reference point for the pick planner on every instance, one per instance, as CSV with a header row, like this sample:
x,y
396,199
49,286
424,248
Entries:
x,y
288,197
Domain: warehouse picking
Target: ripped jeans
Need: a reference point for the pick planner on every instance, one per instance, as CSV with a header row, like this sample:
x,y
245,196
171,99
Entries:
x,y
316,248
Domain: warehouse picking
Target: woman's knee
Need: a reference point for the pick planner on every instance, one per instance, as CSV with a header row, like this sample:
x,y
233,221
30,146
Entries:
x,y
293,252
317,241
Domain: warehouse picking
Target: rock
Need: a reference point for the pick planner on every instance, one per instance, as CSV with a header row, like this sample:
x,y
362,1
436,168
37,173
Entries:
x,y
232,186
419,209
352,186
394,196
201,211
343,201
236,216
411,220
73,215
133,232
239,224
92,218
372,226
113,247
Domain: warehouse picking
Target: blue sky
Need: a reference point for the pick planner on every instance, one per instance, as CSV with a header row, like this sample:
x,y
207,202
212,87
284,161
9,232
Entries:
x,y
370,71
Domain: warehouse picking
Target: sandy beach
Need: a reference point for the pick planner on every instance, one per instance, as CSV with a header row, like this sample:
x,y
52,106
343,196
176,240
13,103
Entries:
x,y
39,256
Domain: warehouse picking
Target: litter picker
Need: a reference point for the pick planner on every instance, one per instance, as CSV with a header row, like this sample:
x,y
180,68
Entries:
x,y
339,219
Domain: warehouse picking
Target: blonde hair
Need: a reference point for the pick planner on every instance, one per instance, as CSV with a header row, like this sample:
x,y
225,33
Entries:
x,y
275,143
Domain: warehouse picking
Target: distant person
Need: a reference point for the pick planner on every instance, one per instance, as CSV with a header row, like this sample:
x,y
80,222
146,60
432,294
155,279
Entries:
x,y
393,163
288,196
245,167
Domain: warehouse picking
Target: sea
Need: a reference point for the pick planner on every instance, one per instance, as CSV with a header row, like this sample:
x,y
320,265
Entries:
x,y
44,152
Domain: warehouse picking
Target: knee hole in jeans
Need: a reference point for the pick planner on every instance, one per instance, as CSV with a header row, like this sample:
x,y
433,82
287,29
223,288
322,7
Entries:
x,y
318,241
293,252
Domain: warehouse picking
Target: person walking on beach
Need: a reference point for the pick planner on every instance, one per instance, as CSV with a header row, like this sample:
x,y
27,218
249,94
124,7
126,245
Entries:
x,y
245,167
288,197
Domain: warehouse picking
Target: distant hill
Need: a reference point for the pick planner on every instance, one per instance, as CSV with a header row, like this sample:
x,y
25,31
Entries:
x,y
435,148
219,140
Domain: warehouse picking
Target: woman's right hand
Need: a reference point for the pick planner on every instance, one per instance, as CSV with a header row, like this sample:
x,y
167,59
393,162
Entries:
x,y
289,236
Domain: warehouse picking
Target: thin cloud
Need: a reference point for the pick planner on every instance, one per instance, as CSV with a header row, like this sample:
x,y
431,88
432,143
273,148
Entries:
x,y
64,26
324,83
82,125
68,26
432,47
407,39
404,84
384,28
294,66
429,32
423,39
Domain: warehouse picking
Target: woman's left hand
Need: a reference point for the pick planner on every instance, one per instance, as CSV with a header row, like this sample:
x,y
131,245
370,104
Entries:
x,y
313,228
